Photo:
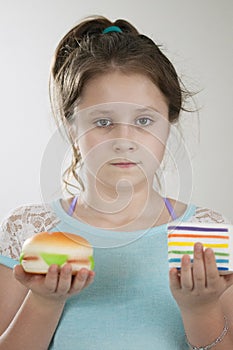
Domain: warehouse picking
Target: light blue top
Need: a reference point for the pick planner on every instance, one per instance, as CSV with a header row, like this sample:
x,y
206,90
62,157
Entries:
x,y
129,306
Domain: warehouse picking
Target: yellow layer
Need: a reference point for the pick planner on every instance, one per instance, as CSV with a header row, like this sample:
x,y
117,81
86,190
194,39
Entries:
x,y
208,245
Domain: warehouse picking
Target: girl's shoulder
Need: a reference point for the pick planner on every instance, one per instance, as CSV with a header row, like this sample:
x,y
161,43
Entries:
x,y
23,222
201,214
207,215
39,216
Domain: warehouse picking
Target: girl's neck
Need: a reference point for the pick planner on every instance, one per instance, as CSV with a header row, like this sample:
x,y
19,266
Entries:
x,y
122,199
126,210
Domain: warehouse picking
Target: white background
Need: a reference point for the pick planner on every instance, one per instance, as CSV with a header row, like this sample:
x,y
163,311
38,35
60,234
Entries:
x,y
196,36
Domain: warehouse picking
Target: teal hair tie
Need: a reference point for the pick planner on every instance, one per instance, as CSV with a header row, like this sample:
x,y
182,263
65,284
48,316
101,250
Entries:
x,y
112,29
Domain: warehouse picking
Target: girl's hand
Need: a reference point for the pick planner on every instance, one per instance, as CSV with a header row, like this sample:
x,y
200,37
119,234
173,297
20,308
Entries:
x,y
57,285
200,285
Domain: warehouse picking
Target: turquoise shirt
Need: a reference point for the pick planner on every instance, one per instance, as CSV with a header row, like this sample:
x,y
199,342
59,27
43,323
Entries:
x,y
129,306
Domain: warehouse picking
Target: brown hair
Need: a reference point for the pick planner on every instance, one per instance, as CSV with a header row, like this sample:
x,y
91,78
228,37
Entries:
x,y
85,52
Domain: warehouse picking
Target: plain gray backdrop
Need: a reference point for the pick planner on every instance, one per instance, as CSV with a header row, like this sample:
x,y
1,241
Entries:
x,y
196,36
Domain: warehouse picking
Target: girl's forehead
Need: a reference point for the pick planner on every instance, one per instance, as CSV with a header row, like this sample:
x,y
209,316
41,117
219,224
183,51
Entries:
x,y
133,88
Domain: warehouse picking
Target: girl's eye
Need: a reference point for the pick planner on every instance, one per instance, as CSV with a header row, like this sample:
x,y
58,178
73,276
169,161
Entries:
x,y
103,123
144,121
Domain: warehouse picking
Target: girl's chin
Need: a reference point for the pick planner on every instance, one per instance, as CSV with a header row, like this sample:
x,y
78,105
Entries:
x,y
117,177
123,184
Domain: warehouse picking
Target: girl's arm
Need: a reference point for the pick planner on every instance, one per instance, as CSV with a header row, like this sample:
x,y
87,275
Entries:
x,y
33,321
12,295
203,298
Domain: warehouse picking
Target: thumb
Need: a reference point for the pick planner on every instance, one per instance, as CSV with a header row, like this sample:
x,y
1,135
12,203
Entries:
x,y
228,279
20,274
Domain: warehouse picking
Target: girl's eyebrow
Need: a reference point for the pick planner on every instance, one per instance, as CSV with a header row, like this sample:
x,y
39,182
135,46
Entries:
x,y
102,111
147,109
138,110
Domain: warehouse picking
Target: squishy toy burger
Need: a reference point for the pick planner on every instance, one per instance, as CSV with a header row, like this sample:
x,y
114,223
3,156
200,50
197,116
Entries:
x,y
47,248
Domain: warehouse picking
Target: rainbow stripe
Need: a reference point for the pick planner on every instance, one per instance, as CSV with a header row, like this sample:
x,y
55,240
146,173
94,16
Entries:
x,y
181,239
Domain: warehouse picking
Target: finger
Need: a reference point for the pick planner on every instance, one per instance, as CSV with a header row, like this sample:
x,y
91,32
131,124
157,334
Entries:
x,y
51,278
199,274
186,277
174,279
212,274
90,278
79,280
65,278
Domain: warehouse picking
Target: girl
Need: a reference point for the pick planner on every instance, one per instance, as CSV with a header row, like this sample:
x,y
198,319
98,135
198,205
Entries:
x,y
116,95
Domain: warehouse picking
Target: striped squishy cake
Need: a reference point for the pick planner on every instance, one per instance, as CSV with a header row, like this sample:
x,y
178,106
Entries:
x,y
183,236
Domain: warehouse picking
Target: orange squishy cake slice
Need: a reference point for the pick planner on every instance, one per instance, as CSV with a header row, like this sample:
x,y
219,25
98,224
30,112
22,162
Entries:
x,y
183,236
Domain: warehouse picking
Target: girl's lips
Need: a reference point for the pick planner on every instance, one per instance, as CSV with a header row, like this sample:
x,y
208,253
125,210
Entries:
x,y
124,165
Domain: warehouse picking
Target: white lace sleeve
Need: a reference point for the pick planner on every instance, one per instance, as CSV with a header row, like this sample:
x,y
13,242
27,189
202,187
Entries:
x,y
21,223
209,216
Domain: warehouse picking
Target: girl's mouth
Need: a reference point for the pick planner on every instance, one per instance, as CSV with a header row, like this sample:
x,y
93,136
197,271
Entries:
x,y
124,165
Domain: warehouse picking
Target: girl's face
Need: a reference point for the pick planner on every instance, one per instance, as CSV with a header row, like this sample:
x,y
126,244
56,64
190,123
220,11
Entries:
x,y
121,127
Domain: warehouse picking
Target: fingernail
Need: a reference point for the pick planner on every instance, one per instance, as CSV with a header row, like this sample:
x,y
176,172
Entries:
x,y
83,274
67,270
186,259
198,247
208,252
53,268
173,272
91,273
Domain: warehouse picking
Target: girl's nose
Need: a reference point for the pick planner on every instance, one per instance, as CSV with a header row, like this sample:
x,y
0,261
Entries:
x,y
123,142
122,145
